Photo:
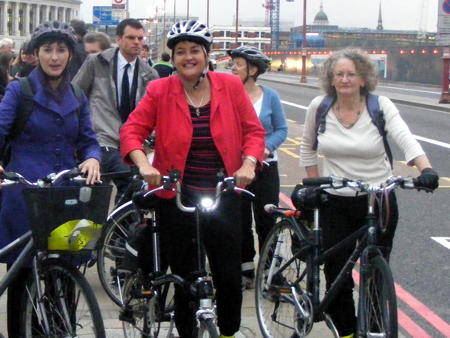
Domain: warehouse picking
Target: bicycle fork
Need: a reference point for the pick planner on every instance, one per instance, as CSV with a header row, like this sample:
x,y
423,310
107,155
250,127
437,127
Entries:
x,y
38,307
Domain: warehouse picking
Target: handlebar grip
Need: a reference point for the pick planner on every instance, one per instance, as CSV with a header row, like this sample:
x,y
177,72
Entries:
x,y
73,173
174,175
317,181
10,175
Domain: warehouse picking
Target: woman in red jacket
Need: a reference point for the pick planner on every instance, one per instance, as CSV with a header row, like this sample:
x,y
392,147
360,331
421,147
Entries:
x,y
204,122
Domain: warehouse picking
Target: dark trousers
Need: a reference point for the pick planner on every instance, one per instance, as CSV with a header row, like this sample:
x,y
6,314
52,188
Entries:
x,y
112,162
266,188
340,217
221,235
15,301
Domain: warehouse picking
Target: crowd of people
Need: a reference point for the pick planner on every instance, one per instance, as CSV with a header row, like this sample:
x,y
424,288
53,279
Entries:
x,y
205,122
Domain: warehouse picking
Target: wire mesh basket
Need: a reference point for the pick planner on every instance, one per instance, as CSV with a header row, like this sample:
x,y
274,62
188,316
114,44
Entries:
x,y
67,218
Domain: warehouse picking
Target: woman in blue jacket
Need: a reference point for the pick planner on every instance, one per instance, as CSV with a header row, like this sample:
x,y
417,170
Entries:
x,y
248,64
59,127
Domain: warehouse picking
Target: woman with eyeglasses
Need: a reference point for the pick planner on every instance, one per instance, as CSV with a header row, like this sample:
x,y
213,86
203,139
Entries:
x,y
352,146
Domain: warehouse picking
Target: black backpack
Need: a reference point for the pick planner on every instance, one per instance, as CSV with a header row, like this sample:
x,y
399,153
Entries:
x,y
23,113
375,112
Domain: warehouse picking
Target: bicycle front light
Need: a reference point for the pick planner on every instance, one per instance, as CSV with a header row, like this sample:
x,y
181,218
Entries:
x,y
206,203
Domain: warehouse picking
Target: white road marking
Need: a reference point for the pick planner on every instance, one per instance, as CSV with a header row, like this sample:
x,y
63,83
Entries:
x,y
294,105
419,138
444,241
438,143
410,90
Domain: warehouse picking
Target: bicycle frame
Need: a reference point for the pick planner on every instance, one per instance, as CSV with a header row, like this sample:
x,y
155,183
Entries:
x,y
24,257
366,244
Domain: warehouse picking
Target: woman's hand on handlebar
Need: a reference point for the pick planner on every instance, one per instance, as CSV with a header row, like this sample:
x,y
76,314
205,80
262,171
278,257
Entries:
x,y
90,168
150,174
245,174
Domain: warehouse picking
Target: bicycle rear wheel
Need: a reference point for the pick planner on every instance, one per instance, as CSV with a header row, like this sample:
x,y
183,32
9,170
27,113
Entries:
x,y
377,315
67,306
111,250
207,329
280,268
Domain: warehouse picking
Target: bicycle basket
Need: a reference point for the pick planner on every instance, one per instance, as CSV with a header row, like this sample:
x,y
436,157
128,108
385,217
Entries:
x,y
67,218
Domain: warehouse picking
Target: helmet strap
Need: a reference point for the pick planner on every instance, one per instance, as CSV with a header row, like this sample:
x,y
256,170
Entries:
x,y
205,70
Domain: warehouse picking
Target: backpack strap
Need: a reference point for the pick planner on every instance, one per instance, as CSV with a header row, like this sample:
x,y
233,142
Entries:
x,y
375,112
24,108
321,115
377,116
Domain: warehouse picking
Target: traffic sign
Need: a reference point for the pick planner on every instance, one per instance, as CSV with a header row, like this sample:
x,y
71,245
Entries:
x,y
119,4
443,26
102,15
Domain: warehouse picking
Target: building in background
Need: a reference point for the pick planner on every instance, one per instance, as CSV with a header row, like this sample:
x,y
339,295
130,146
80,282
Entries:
x,y
224,37
18,19
156,30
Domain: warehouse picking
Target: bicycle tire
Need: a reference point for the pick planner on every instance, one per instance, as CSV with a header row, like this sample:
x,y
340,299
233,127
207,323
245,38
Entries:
x,y
146,313
207,329
277,315
377,288
68,301
111,249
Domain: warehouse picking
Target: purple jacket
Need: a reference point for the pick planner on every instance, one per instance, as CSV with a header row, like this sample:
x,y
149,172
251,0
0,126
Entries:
x,y
55,130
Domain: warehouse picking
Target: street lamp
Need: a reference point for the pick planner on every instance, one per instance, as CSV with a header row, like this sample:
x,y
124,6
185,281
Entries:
x,y
174,11
207,13
237,22
187,12
304,45
164,26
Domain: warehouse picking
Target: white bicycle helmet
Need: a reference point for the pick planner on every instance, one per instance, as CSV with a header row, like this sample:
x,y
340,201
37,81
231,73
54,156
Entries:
x,y
190,30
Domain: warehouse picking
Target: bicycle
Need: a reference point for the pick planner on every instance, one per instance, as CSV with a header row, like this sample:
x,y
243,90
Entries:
x,y
58,301
288,295
145,302
111,249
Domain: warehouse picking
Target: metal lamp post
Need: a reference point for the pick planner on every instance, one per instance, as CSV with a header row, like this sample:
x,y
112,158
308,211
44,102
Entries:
x,y
174,11
207,13
304,45
237,22
187,11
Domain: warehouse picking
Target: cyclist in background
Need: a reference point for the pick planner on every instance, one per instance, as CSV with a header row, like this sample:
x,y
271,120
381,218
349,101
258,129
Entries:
x,y
58,127
248,64
204,122
352,147
114,81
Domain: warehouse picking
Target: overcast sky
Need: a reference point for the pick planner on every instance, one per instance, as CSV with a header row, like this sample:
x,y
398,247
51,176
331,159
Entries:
x,y
397,14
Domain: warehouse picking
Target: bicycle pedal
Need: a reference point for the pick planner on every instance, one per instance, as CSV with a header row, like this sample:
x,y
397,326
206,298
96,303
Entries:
x,y
147,293
284,290
126,315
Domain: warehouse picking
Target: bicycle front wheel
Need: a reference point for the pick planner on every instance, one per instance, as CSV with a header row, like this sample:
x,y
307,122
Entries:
x,y
60,304
207,329
146,307
281,267
111,250
377,315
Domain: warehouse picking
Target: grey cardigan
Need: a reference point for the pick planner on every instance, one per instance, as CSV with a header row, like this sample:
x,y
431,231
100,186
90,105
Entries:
x,y
96,79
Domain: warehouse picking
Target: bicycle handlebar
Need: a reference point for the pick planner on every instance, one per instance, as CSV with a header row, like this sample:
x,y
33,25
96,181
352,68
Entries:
x,y
340,182
10,178
225,184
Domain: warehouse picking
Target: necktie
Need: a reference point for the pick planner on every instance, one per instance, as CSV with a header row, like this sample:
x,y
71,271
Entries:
x,y
125,96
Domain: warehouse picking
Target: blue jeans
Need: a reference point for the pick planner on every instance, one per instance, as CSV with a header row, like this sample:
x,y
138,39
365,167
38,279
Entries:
x,y
112,162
